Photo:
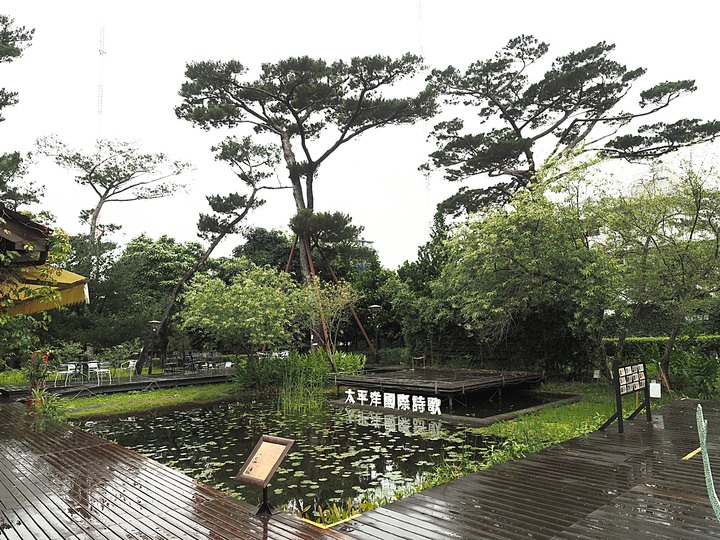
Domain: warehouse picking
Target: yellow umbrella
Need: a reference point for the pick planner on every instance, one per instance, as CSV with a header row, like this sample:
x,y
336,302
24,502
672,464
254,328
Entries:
x,y
68,289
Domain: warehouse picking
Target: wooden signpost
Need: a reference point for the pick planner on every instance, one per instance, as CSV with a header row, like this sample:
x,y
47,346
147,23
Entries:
x,y
261,465
630,379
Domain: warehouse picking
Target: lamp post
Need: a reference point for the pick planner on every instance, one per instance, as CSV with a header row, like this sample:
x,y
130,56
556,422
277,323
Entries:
x,y
154,327
374,309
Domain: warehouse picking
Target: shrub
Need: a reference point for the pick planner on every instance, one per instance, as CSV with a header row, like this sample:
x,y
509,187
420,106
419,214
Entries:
x,y
276,370
695,372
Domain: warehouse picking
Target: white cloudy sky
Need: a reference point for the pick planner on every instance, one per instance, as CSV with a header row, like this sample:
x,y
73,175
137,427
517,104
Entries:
x,y
374,179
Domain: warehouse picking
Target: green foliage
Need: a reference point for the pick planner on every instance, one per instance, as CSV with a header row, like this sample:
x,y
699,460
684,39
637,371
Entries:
x,y
532,261
36,369
13,168
13,41
252,164
45,403
396,356
133,292
332,513
116,172
666,234
301,101
18,338
333,300
696,373
350,363
120,353
275,370
301,392
64,352
335,242
256,309
264,247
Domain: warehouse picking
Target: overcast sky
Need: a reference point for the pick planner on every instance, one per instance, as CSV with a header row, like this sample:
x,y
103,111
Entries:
x,y
375,178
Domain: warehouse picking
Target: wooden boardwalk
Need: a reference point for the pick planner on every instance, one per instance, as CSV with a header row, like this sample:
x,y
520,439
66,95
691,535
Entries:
x,y
606,486
57,482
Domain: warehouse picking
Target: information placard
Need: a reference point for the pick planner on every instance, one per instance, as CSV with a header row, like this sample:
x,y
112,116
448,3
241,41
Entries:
x,y
629,379
264,460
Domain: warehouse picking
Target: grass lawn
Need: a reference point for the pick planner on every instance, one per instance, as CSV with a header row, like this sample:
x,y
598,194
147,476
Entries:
x,y
104,405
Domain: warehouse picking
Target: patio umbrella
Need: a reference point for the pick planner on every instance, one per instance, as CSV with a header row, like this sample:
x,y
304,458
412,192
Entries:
x,y
67,287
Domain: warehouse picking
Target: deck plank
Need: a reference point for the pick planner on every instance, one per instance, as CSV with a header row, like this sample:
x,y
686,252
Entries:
x,y
604,486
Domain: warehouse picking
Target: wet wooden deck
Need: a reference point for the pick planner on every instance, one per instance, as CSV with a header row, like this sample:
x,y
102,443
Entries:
x,y
438,382
57,482
606,486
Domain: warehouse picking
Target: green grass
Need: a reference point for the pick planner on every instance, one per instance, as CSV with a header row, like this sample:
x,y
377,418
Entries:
x,y
147,400
12,376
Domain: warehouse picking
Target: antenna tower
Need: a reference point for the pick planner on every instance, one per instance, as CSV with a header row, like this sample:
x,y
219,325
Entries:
x,y
101,75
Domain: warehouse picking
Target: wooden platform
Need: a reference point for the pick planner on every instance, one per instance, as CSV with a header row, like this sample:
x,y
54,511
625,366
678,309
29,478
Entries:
x,y
57,482
606,486
20,392
438,382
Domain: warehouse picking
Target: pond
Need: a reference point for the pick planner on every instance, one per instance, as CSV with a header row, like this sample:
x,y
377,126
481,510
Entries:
x,y
492,403
338,453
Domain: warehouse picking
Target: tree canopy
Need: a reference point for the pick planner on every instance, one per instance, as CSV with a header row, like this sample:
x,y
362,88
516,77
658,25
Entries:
x,y
13,167
116,171
13,41
522,123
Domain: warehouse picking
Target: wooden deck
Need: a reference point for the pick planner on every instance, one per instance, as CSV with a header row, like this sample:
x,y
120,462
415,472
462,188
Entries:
x,y
606,486
57,482
438,382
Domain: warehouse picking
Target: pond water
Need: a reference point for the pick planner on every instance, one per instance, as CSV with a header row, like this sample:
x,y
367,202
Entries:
x,y
338,454
491,403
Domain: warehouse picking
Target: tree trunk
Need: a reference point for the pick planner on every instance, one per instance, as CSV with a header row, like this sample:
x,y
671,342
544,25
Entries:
x,y
95,240
625,329
162,328
677,326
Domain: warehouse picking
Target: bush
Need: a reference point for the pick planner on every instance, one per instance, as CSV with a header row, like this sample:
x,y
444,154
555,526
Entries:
x,y
695,372
118,354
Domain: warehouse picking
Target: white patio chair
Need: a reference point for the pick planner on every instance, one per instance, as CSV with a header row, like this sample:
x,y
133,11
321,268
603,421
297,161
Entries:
x,y
99,371
130,367
67,371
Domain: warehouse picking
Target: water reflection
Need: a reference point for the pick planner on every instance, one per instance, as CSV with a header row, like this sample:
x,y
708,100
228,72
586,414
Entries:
x,y
338,454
